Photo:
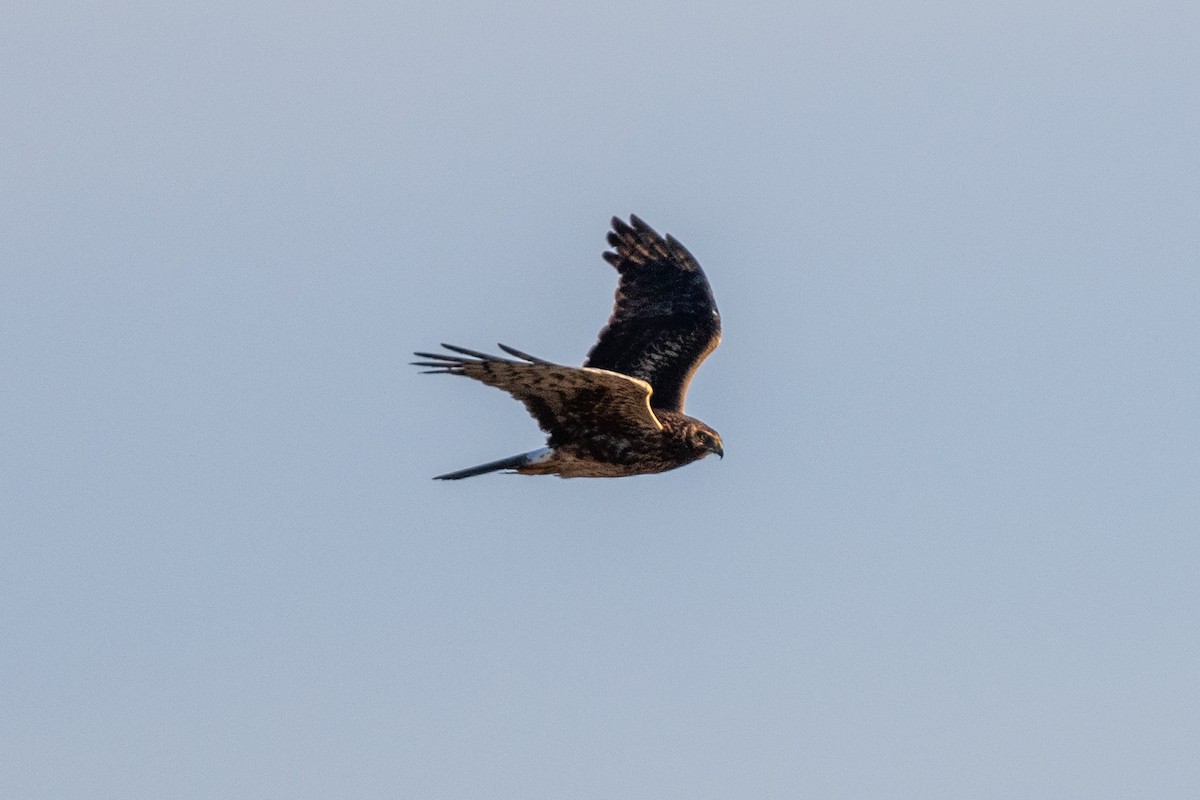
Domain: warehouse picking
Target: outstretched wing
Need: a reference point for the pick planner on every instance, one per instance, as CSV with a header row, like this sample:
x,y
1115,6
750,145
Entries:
x,y
664,322
567,402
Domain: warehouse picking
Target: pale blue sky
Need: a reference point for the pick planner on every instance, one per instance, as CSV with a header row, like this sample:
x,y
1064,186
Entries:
x,y
952,550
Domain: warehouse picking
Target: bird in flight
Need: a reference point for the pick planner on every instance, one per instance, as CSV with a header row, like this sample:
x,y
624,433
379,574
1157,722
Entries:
x,y
621,413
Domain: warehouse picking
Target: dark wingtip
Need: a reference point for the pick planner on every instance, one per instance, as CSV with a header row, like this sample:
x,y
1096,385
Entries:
x,y
512,351
625,238
468,352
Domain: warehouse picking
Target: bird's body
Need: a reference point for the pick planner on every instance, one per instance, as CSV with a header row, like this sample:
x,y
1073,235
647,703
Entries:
x,y
621,413
606,455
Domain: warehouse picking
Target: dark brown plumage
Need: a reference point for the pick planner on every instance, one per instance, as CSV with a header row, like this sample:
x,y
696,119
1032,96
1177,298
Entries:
x,y
621,413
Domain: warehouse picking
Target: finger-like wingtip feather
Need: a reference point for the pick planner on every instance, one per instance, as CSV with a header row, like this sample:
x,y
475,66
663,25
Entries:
x,y
512,351
455,348
472,353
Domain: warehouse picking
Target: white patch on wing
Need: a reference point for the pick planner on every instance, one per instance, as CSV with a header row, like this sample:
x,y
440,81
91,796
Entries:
x,y
541,454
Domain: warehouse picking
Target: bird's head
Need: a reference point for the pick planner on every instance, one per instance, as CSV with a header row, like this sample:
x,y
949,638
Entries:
x,y
705,440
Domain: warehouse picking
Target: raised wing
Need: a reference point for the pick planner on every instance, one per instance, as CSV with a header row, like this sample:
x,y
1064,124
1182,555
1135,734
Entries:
x,y
664,321
567,402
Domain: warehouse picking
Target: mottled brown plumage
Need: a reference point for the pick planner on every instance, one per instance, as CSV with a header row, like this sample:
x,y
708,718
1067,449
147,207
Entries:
x,y
622,412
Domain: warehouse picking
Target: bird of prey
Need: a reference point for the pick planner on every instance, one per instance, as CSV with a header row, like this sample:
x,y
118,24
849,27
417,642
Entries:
x,y
621,413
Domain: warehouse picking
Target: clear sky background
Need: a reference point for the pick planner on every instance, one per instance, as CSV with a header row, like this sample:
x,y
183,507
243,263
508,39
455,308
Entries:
x,y
952,550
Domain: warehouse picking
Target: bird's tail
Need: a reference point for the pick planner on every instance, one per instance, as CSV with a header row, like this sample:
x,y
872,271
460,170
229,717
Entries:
x,y
512,462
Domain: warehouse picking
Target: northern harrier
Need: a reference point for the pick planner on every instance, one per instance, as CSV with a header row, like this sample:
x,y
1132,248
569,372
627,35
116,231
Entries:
x,y
621,413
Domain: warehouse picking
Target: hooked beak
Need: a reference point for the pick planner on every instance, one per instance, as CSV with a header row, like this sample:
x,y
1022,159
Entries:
x,y
719,450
